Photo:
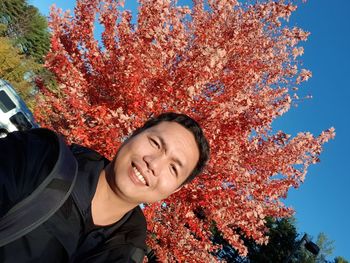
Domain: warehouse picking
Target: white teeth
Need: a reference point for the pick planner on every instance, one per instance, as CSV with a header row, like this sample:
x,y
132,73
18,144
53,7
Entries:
x,y
139,175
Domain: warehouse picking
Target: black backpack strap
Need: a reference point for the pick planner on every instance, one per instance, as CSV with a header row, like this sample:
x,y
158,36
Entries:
x,y
45,200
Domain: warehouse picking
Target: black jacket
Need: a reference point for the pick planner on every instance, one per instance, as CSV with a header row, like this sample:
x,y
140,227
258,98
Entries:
x,y
69,235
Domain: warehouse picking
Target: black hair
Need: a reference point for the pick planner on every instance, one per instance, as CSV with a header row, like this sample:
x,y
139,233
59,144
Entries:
x,y
191,125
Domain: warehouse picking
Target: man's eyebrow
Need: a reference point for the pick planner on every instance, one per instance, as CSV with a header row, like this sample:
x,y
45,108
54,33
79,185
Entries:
x,y
164,145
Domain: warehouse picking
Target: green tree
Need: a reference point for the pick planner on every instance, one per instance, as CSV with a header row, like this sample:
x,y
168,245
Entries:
x,y
340,260
283,240
18,69
326,249
282,235
25,42
26,26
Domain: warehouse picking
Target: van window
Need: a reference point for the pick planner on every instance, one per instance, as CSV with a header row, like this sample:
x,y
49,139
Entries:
x,y
6,103
20,121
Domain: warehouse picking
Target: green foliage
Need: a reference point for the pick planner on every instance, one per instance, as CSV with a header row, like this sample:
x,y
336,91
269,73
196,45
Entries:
x,y
282,236
3,29
18,69
340,260
326,250
323,241
326,246
26,26
25,40
283,240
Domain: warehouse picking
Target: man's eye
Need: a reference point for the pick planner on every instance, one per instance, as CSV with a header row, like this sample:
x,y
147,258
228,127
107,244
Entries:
x,y
155,143
173,168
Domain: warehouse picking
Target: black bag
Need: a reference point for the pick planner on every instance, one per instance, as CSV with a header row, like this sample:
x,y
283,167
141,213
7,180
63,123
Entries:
x,y
50,195
45,200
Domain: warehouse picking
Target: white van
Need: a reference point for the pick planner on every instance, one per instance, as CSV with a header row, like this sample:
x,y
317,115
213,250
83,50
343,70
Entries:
x,y
14,114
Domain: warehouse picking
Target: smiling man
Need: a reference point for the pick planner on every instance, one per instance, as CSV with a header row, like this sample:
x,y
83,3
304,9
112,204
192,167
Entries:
x,y
101,220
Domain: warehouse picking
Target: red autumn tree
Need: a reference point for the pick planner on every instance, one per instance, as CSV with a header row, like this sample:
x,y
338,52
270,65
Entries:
x,y
231,66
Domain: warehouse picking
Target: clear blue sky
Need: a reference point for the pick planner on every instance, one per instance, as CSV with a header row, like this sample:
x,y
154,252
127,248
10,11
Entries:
x,y
322,203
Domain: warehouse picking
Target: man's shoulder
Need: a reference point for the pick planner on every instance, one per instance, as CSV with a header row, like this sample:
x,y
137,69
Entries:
x,y
138,228
82,152
136,222
126,243
28,156
138,218
134,229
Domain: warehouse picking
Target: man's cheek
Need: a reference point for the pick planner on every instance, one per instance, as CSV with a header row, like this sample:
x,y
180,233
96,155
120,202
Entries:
x,y
167,186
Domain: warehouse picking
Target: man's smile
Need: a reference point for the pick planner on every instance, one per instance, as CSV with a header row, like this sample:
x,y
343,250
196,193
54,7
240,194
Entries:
x,y
138,175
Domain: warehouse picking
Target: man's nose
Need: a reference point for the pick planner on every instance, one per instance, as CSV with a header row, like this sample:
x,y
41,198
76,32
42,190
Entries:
x,y
153,163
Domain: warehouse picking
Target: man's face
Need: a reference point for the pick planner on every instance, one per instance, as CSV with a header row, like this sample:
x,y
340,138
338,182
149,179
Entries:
x,y
153,164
